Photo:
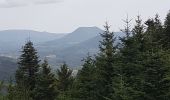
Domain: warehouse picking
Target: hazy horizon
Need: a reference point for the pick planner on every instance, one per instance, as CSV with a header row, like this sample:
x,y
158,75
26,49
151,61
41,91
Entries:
x,y
63,16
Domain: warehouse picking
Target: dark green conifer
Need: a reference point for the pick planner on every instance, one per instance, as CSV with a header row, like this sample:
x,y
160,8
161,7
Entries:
x,y
166,33
129,86
85,81
156,63
28,67
45,88
105,70
64,81
157,81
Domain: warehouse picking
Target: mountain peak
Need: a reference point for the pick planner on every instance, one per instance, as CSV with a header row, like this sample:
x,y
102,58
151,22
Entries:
x,y
86,29
93,27
79,35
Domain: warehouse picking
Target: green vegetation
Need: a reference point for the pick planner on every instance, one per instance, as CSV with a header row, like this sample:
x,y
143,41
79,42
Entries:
x,y
138,68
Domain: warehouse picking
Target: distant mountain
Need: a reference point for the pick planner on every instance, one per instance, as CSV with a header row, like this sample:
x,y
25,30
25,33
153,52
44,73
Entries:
x,y
91,45
8,67
11,41
74,55
57,48
79,35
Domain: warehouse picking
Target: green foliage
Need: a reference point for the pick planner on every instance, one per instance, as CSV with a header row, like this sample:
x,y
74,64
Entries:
x,y
64,77
27,72
28,66
85,85
18,93
166,33
153,34
105,70
157,82
64,81
1,87
45,88
129,79
138,70
156,64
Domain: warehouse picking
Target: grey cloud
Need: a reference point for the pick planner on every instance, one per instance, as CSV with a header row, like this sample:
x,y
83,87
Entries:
x,y
18,3
46,1
11,3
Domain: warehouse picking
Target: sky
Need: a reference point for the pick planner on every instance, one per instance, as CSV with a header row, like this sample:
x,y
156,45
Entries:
x,y
64,16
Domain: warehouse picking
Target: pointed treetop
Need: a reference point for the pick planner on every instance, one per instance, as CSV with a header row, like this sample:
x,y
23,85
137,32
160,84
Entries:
x,y
127,27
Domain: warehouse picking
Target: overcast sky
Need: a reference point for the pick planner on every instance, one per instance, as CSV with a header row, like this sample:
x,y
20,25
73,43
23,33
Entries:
x,y
67,15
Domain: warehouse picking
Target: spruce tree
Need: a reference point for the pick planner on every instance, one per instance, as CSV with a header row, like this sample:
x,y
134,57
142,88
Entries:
x,y
153,34
85,81
28,67
166,33
130,70
64,81
156,63
45,88
157,81
105,70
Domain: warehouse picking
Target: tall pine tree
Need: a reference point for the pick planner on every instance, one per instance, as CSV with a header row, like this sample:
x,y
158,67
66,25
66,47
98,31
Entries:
x,y
28,67
105,70
166,33
64,81
156,64
130,70
85,81
45,88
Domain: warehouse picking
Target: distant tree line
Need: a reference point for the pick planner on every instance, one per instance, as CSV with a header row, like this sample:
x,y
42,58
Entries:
x,y
138,68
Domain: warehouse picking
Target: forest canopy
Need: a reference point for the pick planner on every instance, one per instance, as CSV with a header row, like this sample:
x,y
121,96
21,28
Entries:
x,y
137,68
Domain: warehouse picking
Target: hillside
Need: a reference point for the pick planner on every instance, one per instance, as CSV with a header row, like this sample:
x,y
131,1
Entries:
x,y
8,67
58,48
11,41
74,55
79,35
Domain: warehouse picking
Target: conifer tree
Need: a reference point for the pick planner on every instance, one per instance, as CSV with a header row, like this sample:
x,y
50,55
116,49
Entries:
x,y
166,33
44,88
156,63
105,70
157,69
85,81
127,27
11,88
153,34
130,70
64,77
18,92
28,67
64,81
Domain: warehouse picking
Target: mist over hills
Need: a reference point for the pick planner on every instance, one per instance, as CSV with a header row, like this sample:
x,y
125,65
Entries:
x,y
79,35
11,41
8,67
73,47
57,48
74,55
57,51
